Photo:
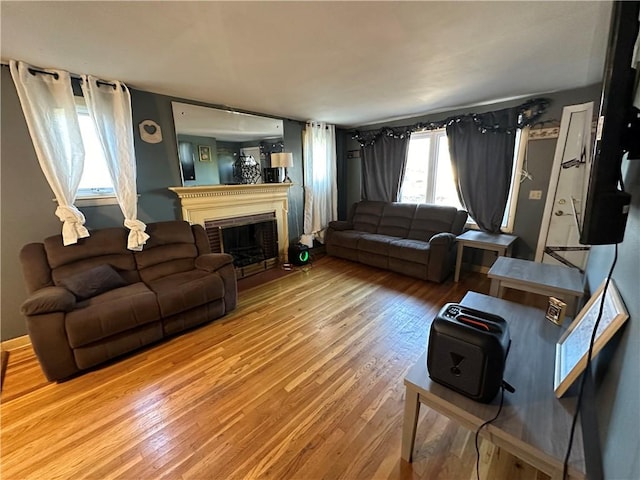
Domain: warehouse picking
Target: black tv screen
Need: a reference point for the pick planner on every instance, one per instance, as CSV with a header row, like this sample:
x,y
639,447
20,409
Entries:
x,y
607,204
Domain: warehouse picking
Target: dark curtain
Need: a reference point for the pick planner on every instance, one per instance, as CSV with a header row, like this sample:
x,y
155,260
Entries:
x,y
482,164
383,165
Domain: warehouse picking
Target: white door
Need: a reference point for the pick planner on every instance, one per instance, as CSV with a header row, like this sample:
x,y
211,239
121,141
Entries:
x,y
564,209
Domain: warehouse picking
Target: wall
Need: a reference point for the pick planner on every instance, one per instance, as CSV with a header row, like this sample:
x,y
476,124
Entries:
x,y
26,201
618,377
206,172
540,159
27,204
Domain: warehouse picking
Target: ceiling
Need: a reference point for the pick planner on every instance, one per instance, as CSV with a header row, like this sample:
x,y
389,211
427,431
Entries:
x,y
345,63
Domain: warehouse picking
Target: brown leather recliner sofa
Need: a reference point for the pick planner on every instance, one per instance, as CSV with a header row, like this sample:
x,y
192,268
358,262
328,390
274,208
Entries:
x,y
95,300
417,240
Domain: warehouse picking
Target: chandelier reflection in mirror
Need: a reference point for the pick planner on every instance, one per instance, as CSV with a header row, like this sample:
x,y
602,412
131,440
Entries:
x,y
246,170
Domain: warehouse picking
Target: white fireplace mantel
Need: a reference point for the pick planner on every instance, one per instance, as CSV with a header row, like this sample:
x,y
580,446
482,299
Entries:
x,y
215,202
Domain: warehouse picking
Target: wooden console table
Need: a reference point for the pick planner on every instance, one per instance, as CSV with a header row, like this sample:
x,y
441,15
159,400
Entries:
x,y
534,425
497,242
559,281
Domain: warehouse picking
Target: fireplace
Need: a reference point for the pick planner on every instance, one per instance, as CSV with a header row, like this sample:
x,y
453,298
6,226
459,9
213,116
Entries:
x,y
252,240
221,205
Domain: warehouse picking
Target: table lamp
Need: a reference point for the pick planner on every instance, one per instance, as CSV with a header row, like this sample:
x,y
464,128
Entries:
x,y
282,160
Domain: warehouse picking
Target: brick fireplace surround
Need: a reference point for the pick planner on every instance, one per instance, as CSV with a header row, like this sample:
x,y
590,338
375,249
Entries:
x,y
216,202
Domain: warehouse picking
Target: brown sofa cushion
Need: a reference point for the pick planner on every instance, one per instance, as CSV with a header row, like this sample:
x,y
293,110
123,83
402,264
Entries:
x,y
170,250
182,291
110,313
104,247
415,251
430,220
396,219
367,216
93,282
375,243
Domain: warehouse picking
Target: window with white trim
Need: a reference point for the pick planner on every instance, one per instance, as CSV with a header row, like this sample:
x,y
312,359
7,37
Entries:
x,y
96,181
428,175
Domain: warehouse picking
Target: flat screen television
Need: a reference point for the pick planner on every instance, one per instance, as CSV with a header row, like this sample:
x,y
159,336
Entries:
x,y
618,133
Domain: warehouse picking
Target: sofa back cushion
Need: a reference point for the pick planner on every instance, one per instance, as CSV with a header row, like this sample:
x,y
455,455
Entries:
x,y
35,267
106,246
366,216
170,249
431,219
396,219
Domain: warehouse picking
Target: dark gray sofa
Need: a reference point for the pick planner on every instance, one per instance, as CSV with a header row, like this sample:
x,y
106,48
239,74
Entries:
x,y
413,239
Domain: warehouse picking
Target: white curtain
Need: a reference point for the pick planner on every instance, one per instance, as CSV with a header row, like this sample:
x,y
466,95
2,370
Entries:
x,y
109,105
320,191
50,112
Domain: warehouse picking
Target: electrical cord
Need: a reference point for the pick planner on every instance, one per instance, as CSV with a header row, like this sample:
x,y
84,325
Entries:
x,y
587,370
502,389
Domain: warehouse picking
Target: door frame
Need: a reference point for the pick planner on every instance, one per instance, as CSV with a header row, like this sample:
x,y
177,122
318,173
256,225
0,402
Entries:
x,y
555,170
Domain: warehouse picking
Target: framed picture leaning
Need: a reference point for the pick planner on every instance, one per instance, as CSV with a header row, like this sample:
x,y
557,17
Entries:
x,y
572,349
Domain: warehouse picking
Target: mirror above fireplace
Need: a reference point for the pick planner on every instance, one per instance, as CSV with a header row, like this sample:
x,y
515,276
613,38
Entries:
x,y
211,141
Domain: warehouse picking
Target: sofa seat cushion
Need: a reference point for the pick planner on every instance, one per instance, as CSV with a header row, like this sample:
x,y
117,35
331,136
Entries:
x,y
376,244
185,290
110,313
411,250
347,238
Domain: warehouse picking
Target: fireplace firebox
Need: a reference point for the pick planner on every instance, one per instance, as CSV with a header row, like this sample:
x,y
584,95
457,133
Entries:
x,y
252,240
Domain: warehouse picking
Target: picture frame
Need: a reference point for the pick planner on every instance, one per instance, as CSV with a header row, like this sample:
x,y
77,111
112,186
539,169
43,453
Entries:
x,y
204,153
572,349
556,310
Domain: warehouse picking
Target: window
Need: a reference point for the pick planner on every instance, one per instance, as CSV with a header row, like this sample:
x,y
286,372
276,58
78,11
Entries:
x,y
429,178
96,181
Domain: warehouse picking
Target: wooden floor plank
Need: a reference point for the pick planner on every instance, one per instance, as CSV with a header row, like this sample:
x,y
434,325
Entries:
x,y
304,380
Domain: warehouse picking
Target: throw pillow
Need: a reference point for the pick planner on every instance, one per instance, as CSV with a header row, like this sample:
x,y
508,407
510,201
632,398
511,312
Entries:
x,y
93,282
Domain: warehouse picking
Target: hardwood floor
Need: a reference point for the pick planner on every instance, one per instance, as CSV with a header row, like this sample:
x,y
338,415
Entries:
x,y
304,380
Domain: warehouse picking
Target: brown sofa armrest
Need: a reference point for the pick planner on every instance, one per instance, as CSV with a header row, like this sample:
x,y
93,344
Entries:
x,y
49,341
441,257
49,300
444,238
340,225
211,262
222,264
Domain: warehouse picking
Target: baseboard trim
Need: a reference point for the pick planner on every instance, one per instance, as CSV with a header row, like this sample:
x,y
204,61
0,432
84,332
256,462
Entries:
x,y
15,343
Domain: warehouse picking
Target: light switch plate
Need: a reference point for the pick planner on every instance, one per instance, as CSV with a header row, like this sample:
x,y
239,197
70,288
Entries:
x,y
535,194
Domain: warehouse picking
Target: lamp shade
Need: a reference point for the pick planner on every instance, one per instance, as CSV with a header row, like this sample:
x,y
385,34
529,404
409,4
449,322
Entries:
x,y
282,160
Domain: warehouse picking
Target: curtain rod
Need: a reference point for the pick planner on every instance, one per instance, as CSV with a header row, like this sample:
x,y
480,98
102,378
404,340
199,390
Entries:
x,y
34,70
527,114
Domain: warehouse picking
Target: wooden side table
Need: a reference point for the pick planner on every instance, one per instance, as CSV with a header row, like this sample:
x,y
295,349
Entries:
x,y
534,425
497,242
541,278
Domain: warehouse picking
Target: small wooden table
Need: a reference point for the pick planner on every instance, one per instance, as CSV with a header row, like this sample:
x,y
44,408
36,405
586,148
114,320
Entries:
x,y
497,242
544,279
534,425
